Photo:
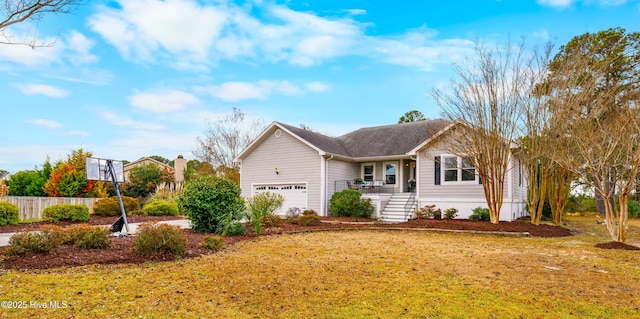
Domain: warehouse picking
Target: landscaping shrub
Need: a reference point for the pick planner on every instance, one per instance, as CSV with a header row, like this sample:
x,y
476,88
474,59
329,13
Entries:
x,y
349,203
70,212
27,242
261,208
450,213
308,218
293,212
9,213
137,212
480,213
109,206
208,200
429,211
214,243
90,237
235,228
154,239
161,208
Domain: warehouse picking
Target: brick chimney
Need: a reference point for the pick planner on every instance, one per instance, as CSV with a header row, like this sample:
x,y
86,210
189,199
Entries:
x,y
180,164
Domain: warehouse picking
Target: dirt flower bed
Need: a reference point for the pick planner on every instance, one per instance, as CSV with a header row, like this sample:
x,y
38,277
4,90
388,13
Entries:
x,y
122,250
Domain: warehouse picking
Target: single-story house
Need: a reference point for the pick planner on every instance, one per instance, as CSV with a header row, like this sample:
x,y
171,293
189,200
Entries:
x,y
179,165
400,167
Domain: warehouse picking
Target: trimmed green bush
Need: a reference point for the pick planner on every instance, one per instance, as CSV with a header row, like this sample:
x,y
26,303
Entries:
x,y
160,207
480,213
9,213
235,228
208,201
156,239
308,218
90,237
349,203
70,212
110,207
27,242
214,243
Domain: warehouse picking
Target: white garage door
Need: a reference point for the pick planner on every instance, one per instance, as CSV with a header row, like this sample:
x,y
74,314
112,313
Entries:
x,y
295,195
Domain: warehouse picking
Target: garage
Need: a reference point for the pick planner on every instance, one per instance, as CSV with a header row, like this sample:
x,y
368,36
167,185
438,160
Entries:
x,y
295,194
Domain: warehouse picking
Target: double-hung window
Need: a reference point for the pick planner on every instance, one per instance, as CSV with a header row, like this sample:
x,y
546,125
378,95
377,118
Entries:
x,y
458,169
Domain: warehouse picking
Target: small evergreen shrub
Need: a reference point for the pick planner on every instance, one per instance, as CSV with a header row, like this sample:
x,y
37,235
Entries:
x,y
109,206
236,228
161,207
214,243
137,212
90,237
68,212
349,203
155,239
450,213
208,201
9,213
480,213
33,242
60,236
308,218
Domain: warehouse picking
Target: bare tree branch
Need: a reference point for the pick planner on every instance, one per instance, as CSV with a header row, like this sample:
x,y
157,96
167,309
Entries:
x,y
18,11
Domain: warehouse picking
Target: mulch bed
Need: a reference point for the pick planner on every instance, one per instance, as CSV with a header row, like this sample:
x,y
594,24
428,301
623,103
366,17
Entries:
x,y
122,250
616,245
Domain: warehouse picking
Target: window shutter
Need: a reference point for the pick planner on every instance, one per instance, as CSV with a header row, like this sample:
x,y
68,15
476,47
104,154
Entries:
x,y
436,171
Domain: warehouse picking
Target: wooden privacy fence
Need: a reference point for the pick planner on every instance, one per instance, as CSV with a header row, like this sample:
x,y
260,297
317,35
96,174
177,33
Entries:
x,y
32,207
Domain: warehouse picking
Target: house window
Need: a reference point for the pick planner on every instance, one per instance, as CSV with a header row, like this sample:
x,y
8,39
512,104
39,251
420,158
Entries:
x,y
458,169
390,172
368,172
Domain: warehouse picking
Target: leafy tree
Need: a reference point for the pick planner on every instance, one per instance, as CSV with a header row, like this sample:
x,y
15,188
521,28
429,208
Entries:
x,y
160,159
412,116
30,182
68,179
13,12
143,180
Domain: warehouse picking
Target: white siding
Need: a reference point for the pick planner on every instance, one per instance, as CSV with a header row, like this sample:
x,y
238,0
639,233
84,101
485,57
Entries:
x,y
296,163
465,196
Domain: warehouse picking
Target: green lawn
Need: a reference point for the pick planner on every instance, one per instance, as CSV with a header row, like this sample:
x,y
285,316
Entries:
x,y
354,274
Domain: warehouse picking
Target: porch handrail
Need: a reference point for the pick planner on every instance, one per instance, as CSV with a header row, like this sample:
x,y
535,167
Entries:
x,y
409,204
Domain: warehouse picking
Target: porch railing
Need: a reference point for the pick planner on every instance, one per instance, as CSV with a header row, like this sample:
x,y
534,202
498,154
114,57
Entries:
x,y
407,207
372,187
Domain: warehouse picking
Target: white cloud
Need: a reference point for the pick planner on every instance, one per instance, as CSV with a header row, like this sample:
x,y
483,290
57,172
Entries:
x,y
556,3
237,91
180,31
78,133
317,86
356,11
45,123
79,45
48,90
25,55
163,101
119,120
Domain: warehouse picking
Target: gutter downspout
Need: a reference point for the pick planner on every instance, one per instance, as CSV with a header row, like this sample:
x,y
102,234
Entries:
x,y
326,185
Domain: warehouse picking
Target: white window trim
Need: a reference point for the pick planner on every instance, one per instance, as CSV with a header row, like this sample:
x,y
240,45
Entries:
x,y
459,181
367,164
397,163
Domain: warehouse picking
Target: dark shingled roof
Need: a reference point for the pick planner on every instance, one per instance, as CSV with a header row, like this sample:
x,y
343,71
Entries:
x,y
388,140
323,142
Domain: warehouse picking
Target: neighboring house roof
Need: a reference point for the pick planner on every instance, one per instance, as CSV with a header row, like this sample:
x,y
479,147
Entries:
x,y
378,141
4,175
145,160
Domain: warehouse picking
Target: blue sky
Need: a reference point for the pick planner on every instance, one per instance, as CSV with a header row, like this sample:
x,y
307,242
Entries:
x,y
127,79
